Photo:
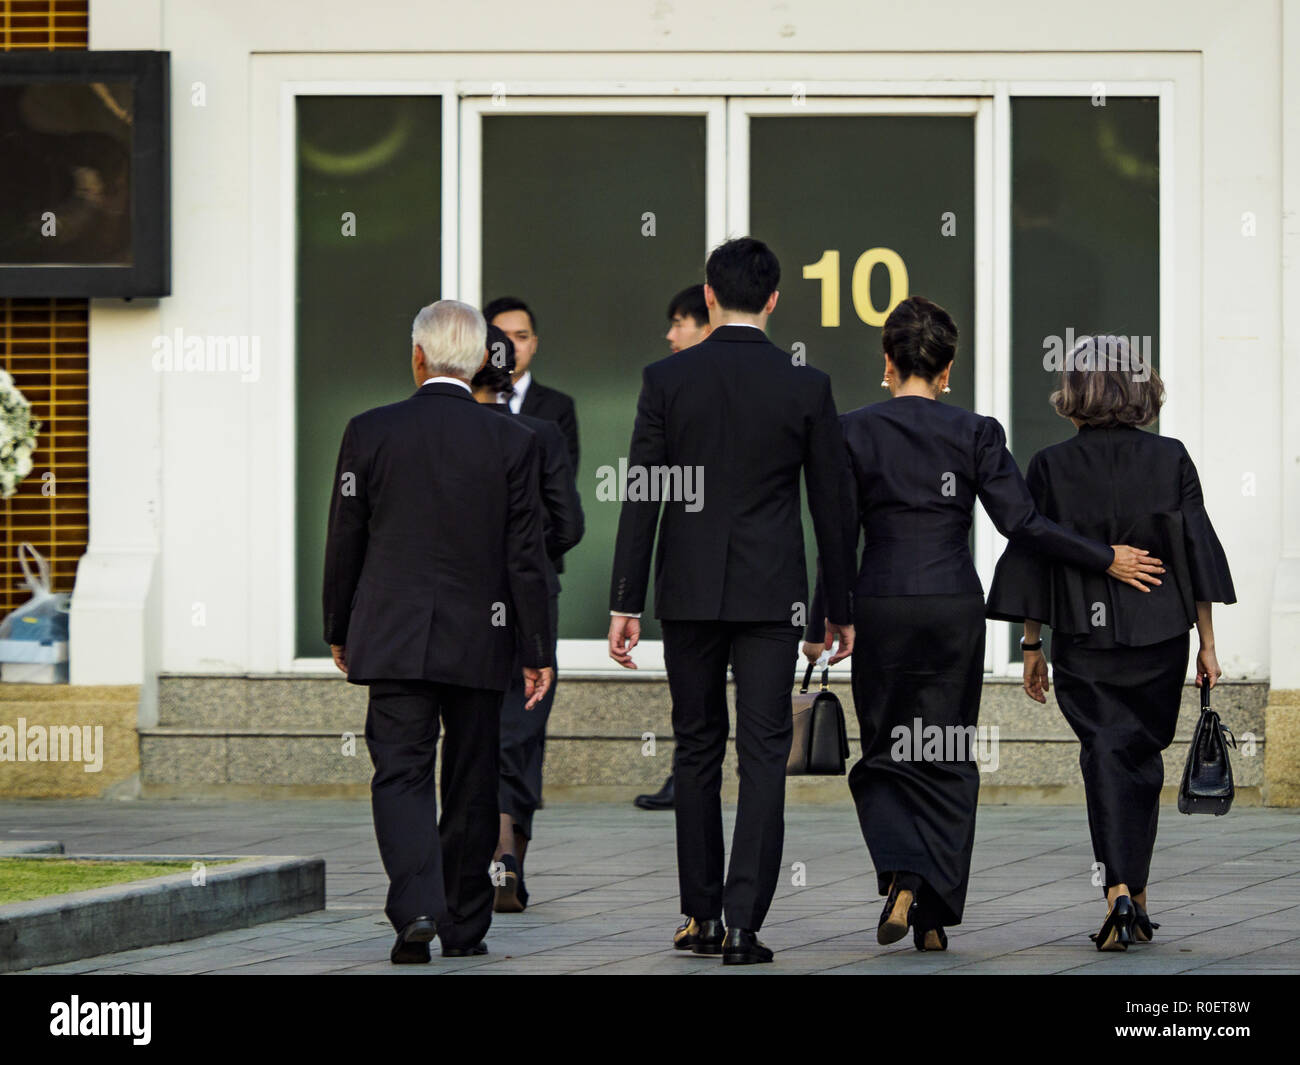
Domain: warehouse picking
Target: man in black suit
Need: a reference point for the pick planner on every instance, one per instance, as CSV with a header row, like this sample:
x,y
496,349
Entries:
x,y
723,430
523,732
688,324
514,318
435,578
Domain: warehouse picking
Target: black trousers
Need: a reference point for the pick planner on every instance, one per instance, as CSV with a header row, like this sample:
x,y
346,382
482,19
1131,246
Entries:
x,y
918,658
763,657
436,868
523,745
1122,703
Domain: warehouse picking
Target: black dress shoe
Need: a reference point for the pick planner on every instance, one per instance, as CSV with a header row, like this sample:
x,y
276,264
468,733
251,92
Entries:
x,y
662,799
466,952
412,946
510,894
741,947
699,937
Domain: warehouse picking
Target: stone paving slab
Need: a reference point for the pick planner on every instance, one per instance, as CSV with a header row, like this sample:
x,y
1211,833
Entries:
x,y
604,893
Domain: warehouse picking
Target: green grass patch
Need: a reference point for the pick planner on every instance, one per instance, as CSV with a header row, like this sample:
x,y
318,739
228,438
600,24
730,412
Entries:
x,y
23,879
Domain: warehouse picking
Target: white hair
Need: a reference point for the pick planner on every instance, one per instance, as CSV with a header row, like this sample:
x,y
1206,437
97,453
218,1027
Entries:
x,y
453,337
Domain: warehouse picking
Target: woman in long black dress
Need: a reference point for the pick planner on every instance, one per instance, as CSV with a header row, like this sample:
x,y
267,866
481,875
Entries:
x,y
1120,658
918,465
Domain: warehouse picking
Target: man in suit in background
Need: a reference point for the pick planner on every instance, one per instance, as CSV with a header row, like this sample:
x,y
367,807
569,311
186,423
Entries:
x,y
688,324
523,732
435,577
514,318
744,418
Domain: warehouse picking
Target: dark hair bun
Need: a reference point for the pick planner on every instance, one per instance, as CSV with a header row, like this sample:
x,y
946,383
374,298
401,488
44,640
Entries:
x,y
920,337
497,372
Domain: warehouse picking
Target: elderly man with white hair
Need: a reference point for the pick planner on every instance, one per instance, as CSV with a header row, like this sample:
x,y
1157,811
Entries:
x,y
435,575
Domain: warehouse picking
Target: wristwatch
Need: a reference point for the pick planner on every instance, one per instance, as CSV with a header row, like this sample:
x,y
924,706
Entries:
x,y
1035,646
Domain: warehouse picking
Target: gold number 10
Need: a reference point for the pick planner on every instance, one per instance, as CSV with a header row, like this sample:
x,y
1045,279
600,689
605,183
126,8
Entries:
x,y
827,271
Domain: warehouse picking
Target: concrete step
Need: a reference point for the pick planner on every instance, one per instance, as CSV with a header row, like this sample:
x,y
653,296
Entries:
x,y
609,709
304,737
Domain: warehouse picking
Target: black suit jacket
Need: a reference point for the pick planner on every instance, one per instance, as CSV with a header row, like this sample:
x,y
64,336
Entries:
x,y
552,405
435,567
1123,486
919,465
564,522
736,406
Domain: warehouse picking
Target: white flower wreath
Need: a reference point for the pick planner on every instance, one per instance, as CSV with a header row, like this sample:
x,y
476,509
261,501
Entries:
x,y
17,436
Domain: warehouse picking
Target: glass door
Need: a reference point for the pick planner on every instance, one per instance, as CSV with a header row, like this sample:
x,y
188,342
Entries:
x,y
595,213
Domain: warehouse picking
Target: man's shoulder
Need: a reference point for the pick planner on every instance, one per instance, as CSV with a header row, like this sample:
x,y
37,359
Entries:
x,y
751,341
390,417
384,416
761,358
544,392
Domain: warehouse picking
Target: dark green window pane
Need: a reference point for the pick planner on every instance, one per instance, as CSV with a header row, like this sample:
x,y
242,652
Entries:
x,y
1085,243
849,184
379,158
564,200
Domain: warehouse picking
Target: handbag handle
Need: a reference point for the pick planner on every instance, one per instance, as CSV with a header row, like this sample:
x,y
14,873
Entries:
x,y
1205,705
807,677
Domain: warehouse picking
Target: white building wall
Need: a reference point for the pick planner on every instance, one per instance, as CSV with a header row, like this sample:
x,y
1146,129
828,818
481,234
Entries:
x,y
191,466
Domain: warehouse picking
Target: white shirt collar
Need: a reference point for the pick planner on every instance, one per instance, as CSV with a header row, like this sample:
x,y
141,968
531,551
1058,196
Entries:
x,y
448,381
521,387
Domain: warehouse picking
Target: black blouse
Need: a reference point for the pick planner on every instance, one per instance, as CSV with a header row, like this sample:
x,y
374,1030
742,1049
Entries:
x,y
1125,486
918,465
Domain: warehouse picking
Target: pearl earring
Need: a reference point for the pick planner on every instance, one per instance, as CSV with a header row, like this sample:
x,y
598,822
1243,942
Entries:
x,y
946,388
884,382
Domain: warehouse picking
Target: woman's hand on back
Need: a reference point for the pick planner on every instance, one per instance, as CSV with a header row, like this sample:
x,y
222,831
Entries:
x,y
1134,566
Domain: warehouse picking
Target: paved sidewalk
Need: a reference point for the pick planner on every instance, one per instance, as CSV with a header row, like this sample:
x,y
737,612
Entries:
x,y
604,893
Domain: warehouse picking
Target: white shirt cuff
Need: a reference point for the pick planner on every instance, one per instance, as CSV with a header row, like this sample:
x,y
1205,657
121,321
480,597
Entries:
x,y
621,614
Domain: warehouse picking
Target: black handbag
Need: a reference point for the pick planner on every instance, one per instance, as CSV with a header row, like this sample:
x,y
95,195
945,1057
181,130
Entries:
x,y
820,744
1207,777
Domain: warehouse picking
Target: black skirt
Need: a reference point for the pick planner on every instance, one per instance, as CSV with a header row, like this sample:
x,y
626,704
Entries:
x,y
1122,703
918,669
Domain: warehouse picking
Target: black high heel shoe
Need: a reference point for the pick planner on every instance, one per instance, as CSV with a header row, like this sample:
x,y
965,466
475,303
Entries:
x,y
1117,930
927,932
929,938
1143,926
896,917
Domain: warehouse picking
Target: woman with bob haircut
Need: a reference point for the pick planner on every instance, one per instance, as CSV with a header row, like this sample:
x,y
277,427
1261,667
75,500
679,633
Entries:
x,y
1119,659
917,467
